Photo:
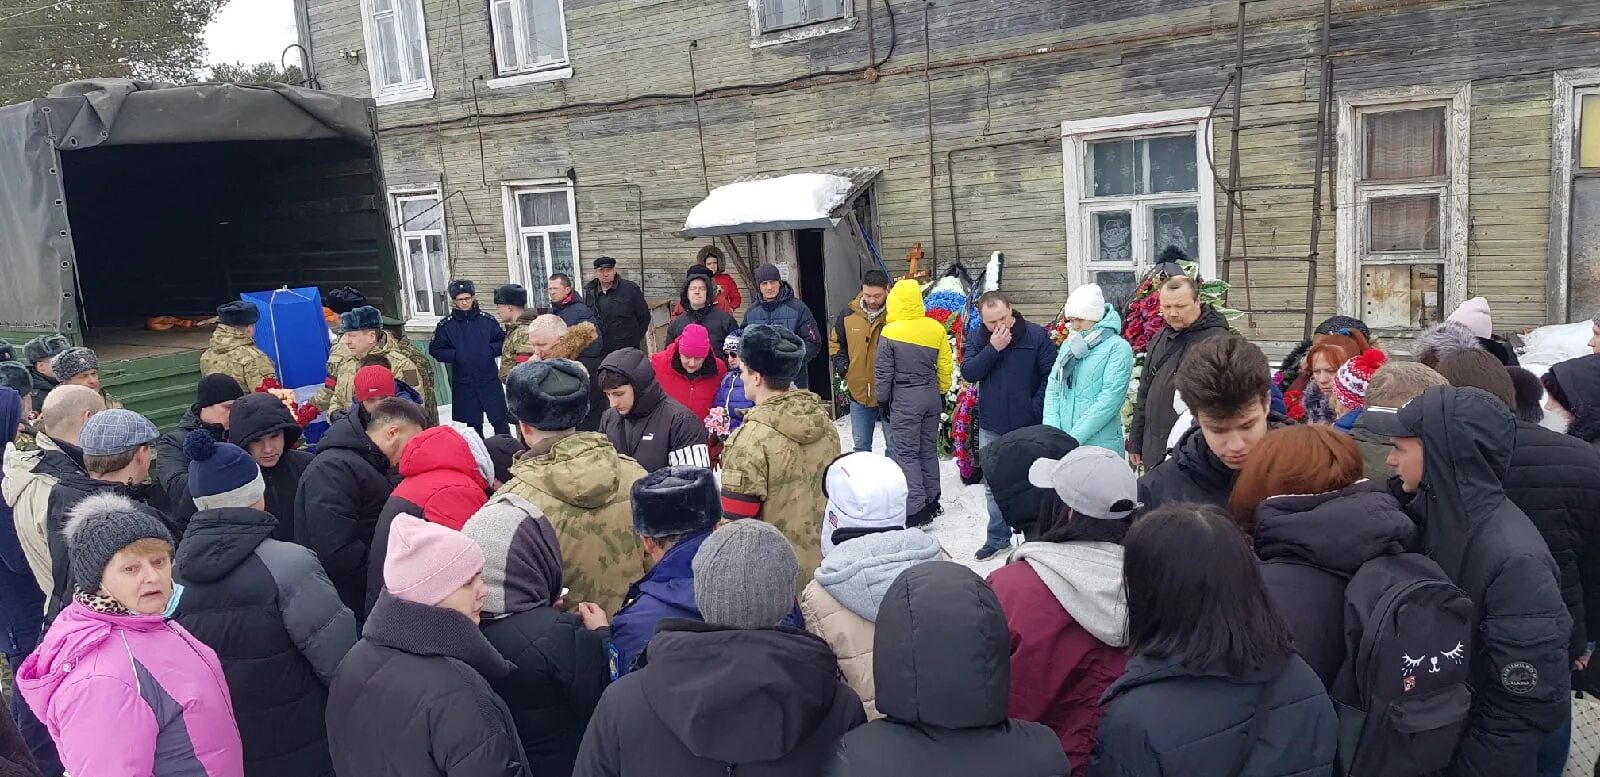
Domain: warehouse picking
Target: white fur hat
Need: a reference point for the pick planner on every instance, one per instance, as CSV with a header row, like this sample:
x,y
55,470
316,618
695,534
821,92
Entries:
x,y
1086,302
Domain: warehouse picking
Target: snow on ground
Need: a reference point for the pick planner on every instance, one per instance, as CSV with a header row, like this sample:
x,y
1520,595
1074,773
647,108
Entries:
x,y
965,521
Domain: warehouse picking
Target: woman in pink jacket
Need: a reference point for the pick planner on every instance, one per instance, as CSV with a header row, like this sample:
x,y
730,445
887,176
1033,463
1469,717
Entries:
x,y
123,690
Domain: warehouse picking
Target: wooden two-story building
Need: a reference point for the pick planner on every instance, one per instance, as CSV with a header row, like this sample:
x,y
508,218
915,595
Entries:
x,y
1459,140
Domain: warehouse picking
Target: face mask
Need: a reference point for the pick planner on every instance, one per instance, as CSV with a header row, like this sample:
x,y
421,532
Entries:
x,y
172,604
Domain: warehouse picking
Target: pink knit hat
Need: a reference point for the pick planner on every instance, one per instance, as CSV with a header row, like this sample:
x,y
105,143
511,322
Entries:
x,y
428,562
695,342
1474,314
1350,383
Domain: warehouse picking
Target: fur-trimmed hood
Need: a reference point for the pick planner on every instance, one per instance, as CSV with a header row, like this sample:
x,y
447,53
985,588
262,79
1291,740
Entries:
x,y
572,344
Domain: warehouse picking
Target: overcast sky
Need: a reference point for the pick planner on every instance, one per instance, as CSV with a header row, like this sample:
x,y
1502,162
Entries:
x,y
252,31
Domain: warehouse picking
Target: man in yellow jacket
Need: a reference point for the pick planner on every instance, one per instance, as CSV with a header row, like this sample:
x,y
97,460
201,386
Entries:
x,y
853,344
912,375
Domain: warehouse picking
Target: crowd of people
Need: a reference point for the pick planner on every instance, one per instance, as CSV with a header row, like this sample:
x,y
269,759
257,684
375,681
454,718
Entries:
x,y
669,564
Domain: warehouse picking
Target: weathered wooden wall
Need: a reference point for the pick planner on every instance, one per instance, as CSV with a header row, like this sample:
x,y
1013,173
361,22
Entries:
x,y
1002,77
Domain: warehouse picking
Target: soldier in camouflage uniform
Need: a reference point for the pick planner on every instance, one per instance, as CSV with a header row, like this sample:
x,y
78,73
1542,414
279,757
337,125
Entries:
x,y
233,350
773,465
364,336
425,386
577,479
510,306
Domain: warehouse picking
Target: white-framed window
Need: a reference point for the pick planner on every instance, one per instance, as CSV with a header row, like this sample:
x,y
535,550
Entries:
x,y
1136,185
541,234
1403,218
530,36
784,21
1573,272
397,50
418,215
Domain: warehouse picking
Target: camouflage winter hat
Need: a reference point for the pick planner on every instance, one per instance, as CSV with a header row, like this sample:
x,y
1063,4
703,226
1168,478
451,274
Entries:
x,y
73,362
44,348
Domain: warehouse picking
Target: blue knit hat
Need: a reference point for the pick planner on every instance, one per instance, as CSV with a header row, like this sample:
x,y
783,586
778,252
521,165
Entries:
x,y
221,475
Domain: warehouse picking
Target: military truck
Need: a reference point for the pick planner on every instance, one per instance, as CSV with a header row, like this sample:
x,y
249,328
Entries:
x,y
124,200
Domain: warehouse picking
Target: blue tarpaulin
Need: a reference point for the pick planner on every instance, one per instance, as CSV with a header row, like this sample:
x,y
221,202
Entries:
x,y
293,334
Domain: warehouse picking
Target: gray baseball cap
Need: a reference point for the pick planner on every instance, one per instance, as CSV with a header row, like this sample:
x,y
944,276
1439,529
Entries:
x,y
1092,481
116,431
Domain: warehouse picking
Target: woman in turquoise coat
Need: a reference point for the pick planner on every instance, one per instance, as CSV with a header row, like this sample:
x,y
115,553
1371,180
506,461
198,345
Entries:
x,y
1089,382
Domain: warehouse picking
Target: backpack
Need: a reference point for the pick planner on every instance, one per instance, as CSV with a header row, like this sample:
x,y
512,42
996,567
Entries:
x,y
1402,695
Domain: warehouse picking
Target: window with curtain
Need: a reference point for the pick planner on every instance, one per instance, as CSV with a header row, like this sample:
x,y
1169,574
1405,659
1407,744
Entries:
x,y
774,15
397,49
529,35
424,259
546,239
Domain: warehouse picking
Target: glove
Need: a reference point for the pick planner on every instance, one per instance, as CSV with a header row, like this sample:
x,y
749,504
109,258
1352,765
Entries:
x,y
308,413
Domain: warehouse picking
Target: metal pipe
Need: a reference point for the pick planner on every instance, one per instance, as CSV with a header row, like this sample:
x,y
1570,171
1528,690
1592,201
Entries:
x,y
927,80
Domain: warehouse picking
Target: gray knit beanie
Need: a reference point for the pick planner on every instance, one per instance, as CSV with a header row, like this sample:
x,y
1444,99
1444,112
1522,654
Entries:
x,y
99,526
746,576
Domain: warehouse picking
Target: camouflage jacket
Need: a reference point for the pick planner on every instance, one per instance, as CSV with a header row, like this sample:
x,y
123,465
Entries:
x,y
772,469
516,340
234,353
336,396
424,376
585,488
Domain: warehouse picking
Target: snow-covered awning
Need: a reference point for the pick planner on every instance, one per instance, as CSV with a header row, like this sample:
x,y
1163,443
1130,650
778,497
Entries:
x,y
773,203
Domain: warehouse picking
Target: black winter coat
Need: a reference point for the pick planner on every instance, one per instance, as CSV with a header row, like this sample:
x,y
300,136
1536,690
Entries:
x,y
1153,414
42,384
1162,718
268,610
1555,480
337,507
1011,382
170,469
1310,546
559,671
658,431
256,416
70,489
791,313
709,701
945,698
1491,551
412,699
718,323
1192,473
623,313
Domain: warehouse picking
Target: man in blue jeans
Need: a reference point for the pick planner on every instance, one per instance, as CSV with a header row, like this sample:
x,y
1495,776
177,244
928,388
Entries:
x,y
1010,360
853,344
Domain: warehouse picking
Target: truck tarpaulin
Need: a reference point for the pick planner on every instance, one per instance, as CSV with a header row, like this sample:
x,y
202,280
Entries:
x,y
35,237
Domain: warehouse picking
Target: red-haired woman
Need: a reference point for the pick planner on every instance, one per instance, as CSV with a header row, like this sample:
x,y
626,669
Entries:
x,y
1323,361
1315,522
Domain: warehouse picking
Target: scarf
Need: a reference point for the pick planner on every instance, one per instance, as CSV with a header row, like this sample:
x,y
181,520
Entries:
x,y
1318,409
1075,348
101,603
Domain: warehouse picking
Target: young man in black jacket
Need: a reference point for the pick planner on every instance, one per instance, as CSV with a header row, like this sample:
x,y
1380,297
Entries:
x,y
645,423
344,490
1452,447
170,470
1228,386
264,427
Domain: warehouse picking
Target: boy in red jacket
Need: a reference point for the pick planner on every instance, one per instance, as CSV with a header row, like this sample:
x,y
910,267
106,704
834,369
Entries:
x,y
688,371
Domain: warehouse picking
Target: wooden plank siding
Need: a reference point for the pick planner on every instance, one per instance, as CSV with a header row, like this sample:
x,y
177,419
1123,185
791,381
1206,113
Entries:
x,y
1002,77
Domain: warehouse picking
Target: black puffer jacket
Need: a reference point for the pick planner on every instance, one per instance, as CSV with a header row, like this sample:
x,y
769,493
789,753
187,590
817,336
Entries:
x,y
268,610
1193,473
658,431
718,323
255,416
42,385
68,491
1555,479
1491,550
1310,546
709,701
341,496
170,469
942,668
1163,718
412,699
1153,414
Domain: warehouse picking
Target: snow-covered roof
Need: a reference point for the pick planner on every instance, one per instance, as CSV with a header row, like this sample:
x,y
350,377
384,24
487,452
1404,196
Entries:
x,y
771,203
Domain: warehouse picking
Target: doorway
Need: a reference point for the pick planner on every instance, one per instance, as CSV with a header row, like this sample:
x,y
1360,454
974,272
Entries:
x,y
812,269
